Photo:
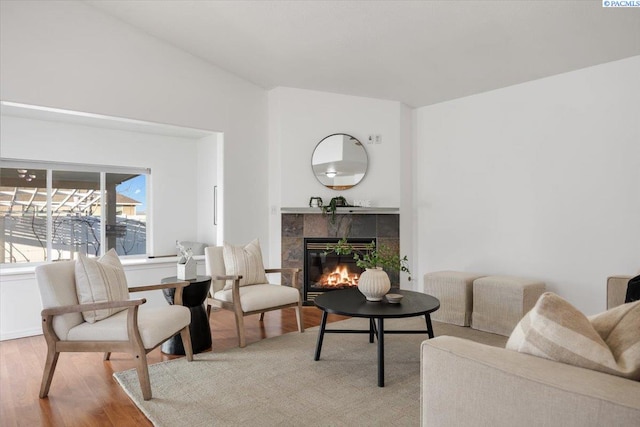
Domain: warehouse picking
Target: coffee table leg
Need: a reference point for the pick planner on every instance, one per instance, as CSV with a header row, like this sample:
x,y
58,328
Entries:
x,y
323,324
372,329
380,352
429,325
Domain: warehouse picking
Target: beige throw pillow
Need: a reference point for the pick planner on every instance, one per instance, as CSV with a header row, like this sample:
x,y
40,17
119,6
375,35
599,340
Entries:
x,y
244,261
100,280
556,330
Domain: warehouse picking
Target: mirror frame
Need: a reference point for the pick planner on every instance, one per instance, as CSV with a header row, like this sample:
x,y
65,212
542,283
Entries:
x,y
329,182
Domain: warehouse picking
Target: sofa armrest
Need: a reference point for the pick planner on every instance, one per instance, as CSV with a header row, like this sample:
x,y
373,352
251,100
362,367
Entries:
x,y
467,383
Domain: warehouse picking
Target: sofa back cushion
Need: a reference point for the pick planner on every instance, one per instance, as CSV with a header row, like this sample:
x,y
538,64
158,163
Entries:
x,y
556,330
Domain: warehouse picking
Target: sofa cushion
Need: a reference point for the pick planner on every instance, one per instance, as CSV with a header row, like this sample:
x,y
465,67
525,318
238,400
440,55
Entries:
x,y
244,261
556,330
100,280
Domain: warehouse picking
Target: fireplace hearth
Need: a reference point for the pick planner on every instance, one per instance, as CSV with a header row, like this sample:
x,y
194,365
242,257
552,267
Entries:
x,y
325,272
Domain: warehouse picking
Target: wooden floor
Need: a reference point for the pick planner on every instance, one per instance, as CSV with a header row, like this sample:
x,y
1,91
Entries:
x,y
83,391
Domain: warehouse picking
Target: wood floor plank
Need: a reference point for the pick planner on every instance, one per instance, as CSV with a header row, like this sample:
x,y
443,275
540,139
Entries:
x,y
8,406
83,391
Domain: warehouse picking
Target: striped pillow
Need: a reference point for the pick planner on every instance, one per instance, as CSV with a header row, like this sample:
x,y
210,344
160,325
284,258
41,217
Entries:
x,y
100,280
556,330
244,261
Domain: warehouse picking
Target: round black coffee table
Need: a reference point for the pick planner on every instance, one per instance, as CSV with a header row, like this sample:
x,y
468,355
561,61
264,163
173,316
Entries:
x,y
351,302
193,296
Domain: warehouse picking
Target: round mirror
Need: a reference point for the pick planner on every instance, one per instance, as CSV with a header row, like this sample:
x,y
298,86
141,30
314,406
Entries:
x,y
339,161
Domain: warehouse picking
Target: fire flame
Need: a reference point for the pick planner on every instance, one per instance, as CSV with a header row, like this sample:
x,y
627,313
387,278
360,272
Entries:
x,y
341,277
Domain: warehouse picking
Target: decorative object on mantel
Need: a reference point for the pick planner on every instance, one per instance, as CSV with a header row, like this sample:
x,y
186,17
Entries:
x,y
349,210
374,282
315,202
339,161
333,205
186,264
364,203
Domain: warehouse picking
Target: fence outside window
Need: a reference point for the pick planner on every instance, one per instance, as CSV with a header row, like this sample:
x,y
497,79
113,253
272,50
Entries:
x,y
51,211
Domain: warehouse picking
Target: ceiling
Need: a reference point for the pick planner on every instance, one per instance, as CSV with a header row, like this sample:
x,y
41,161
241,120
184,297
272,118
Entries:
x,y
416,52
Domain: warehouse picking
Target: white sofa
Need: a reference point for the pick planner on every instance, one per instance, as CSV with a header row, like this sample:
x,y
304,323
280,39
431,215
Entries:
x,y
464,383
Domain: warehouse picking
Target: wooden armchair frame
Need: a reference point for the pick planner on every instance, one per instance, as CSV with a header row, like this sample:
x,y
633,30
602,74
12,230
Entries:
x,y
237,308
133,345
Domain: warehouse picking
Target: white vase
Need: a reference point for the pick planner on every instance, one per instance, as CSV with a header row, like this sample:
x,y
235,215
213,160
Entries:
x,y
374,283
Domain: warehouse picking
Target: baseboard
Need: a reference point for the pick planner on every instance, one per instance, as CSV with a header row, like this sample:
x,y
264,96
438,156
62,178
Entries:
x,y
20,334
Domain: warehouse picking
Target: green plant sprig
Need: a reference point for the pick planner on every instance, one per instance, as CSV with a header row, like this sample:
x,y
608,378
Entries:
x,y
372,257
332,207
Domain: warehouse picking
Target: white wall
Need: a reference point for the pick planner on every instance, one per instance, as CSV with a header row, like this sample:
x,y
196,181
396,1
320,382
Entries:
x,y
173,195
539,180
69,55
207,179
299,119
409,166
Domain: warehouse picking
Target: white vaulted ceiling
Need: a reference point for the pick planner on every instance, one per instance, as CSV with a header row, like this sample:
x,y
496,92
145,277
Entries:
x,y
416,52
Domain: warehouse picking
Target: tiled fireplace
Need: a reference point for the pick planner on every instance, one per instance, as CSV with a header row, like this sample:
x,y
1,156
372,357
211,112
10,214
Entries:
x,y
300,225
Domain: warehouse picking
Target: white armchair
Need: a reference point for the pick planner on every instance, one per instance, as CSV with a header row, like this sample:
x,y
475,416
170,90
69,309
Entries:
x,y
250,299
135,330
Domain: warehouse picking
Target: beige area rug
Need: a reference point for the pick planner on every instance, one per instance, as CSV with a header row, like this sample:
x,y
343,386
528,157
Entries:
x,y
276,382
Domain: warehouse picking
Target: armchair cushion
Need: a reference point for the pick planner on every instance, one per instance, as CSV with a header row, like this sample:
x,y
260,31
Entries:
x,y
244,261
155,324
260,297
100,281
556,330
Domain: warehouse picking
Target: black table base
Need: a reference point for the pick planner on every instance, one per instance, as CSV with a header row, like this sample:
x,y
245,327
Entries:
x,y
376,322
193,297
199,330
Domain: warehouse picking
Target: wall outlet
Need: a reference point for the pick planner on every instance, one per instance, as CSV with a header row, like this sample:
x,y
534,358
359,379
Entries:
x,y
371,139
378,139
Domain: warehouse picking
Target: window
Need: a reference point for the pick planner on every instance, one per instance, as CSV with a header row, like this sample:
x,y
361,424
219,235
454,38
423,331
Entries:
x,y
50,212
